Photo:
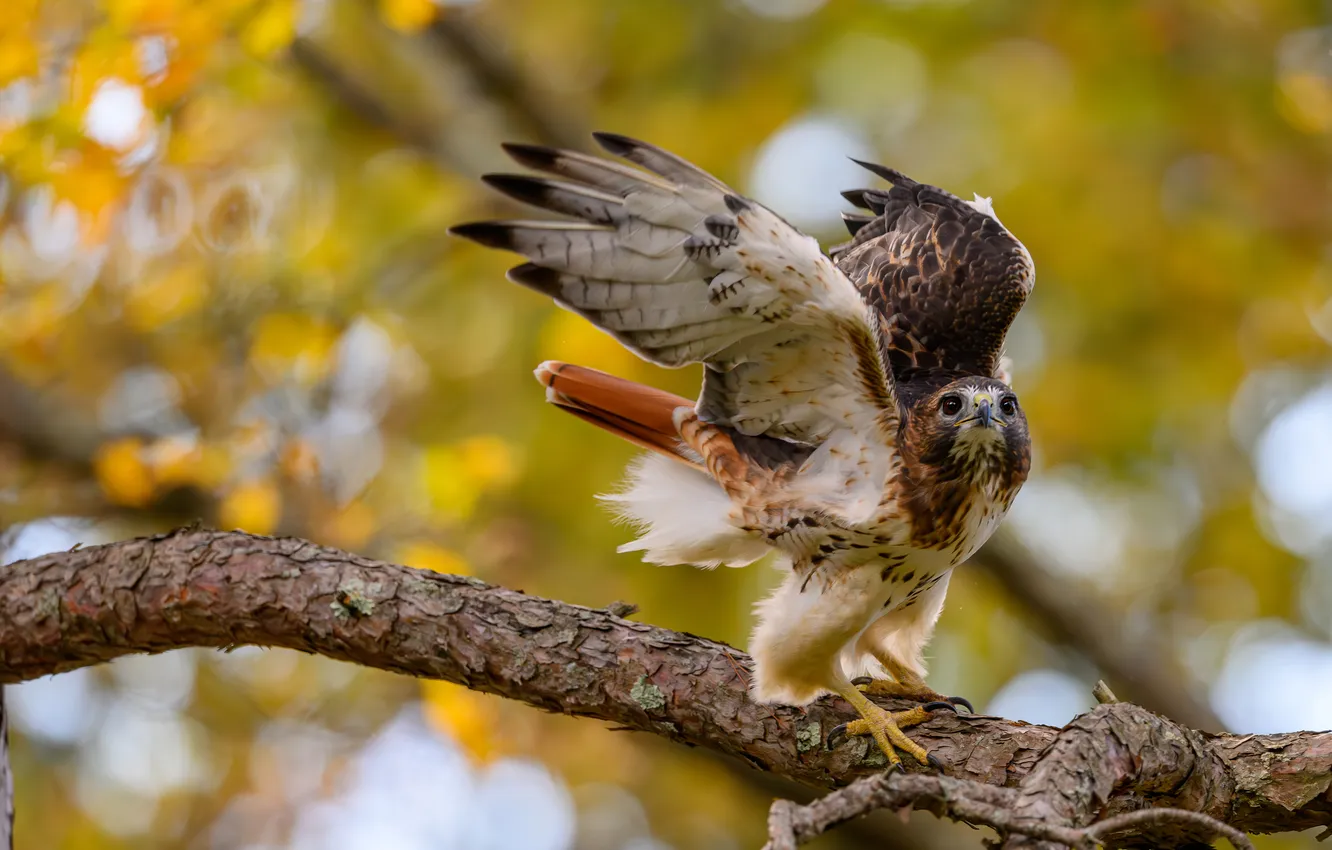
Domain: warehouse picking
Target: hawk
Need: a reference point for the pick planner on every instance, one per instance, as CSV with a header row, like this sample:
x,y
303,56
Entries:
x,y
855,415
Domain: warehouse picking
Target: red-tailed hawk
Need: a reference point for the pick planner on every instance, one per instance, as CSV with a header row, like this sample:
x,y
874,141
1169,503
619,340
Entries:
x,y
854,415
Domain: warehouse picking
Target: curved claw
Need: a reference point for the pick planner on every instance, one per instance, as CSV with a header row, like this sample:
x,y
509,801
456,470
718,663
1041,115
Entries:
x,y
896,767
836,736
862,680
935,706
962,701
934,762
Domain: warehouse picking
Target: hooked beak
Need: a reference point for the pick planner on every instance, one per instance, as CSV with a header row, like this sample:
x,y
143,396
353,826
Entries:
x,y
984,413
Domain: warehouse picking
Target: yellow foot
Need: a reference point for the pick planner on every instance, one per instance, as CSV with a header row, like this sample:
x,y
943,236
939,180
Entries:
x,y
907,690
886,727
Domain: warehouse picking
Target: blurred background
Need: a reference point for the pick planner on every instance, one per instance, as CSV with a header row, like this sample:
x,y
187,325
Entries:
x,y
226,294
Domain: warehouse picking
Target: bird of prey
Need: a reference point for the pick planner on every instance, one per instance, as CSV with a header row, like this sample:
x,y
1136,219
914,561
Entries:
x,y
855,414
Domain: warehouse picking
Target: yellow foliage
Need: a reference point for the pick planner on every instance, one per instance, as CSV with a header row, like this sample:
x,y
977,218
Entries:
x,y
177,462
105,54
271,29
488,461
122,472
466,716
292,345
176,291
455,476
18,45
1305,100
408,15
18,56
348,527
254,506
97,190
425,555
36,316
568,336
452,493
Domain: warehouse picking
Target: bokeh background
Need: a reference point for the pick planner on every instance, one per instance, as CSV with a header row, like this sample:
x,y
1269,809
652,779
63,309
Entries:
x,y
226,293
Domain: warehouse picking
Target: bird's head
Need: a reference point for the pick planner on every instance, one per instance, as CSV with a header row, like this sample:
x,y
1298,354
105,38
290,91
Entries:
x,y
972,423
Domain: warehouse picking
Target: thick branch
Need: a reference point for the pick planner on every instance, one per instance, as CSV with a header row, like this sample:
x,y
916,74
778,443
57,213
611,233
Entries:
x,y
201,588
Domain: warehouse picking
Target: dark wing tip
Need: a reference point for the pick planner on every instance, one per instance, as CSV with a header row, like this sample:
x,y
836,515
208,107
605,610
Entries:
x,y
492,234
735,204
892,175
867,199
616,144
520,187
857,198
539,157
543,280
854,221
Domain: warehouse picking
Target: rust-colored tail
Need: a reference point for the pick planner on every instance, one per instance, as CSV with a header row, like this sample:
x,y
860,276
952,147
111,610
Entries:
x,y
641,414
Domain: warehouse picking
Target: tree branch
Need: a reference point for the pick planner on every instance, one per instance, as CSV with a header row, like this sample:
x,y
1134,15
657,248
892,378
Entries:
x,y
790,825
203,588
498,77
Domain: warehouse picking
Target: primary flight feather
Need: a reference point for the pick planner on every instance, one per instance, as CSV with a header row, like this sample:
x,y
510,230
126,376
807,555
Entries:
x,y
854,417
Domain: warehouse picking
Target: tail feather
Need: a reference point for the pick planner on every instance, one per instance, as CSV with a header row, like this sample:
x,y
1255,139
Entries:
x,y
641,414
681,514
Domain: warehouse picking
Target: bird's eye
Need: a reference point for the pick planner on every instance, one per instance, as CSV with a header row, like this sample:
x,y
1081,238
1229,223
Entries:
x,y
950,405
1008,405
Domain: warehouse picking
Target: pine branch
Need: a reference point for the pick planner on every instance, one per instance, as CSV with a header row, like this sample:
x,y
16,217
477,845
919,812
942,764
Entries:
x,y
202,588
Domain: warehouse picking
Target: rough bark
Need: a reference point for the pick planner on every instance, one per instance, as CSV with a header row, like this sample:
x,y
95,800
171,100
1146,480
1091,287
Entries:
x,y
204,588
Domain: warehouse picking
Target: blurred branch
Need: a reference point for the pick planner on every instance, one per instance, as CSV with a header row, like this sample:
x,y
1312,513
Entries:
x,y
1138,666
498,77
195,588
361,100
44,424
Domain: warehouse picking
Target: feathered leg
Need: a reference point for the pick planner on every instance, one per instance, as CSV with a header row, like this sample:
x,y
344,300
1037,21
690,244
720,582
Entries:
x,y
896,640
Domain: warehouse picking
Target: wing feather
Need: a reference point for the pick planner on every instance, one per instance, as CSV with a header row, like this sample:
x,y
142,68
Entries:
x,y
681,269
944,274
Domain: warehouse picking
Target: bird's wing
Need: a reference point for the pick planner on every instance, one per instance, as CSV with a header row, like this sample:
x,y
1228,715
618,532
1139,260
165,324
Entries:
x,y
681,269
945,275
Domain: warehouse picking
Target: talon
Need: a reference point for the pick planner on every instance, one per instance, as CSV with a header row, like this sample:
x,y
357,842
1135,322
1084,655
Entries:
x,y
860,681
836,736
896,767
934,761
936,705
962,701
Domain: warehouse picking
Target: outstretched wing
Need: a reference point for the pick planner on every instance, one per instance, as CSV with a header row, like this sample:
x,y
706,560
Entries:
x,y
944,274
681,269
